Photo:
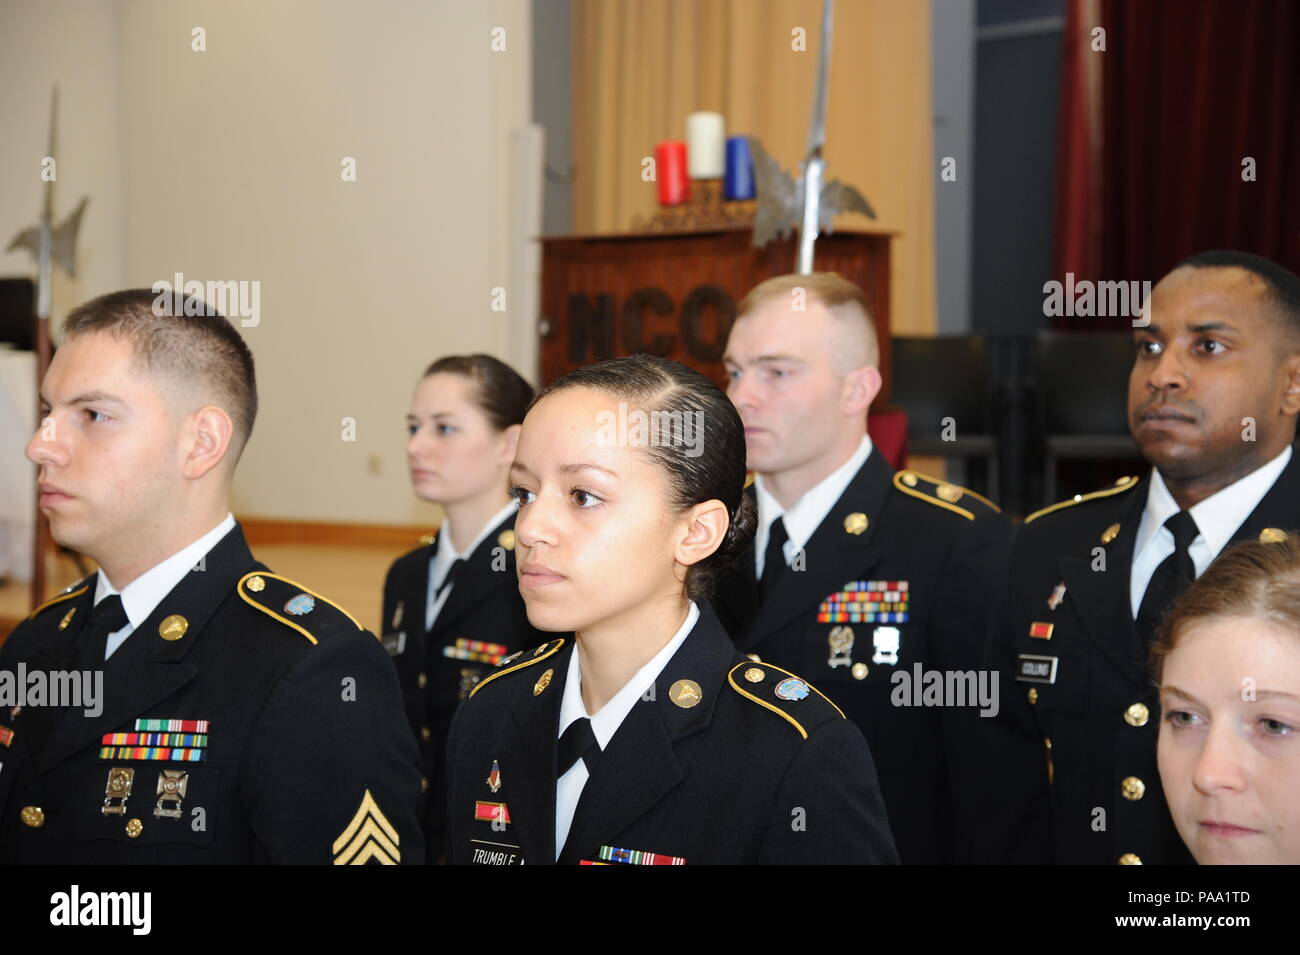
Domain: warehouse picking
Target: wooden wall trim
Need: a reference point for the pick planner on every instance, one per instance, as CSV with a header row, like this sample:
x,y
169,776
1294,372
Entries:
x,y
266,531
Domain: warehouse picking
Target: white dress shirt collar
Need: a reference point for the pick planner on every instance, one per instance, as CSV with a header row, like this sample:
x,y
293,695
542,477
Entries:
x,y
447,548
146,592
807,514
1219,515
445,554
568,788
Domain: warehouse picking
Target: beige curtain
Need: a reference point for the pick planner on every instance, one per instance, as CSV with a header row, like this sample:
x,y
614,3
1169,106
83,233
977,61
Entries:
x,y
640,66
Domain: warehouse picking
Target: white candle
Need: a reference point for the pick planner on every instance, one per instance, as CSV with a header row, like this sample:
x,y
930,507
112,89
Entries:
x,y
706,145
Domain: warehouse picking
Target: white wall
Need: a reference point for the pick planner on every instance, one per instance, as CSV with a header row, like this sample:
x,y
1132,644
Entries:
x,y
228,168
73,44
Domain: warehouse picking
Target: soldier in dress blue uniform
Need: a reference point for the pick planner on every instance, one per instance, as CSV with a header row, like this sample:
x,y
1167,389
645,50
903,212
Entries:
x,y
226,714
867,580
1213,399
638,735
452,609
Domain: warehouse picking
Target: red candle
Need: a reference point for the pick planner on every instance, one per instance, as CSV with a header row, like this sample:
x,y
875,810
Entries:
x,y
670,173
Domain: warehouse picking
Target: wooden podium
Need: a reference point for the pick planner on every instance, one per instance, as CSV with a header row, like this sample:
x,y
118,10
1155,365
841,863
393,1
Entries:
x,y
675,294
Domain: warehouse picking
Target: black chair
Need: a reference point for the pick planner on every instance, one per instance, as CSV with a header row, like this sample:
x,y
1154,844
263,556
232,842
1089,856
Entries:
x,y
1080,385
942,384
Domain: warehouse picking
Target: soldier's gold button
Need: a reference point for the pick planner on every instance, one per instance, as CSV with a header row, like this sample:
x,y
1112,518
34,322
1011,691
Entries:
x,y
33,816
256,584
1130,858
173,628
134,827
1033,694
507,539
856,522
1110,533
685,693
859,671
754,675
425,733
755,657
421,680
949,492
424,785
1272,535
1133,788
1137,715
908,478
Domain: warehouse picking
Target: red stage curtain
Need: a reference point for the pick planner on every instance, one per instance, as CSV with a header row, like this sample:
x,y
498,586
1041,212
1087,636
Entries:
x,y
1189,89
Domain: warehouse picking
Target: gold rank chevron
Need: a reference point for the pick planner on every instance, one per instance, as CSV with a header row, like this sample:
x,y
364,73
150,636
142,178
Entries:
x,y
368,836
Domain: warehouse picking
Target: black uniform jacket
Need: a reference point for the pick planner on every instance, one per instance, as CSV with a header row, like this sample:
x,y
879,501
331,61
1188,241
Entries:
x,y
937,553
436,668
1082,675
246,720
741,776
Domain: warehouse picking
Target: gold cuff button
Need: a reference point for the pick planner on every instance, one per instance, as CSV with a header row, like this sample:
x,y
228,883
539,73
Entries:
x,y
1130,858
421,681
859,671
33,816
134,827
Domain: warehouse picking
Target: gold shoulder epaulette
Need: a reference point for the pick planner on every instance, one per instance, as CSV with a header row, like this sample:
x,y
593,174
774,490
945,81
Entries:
x,y
76,590
1119,487
940,493
778,690
276,596
513,662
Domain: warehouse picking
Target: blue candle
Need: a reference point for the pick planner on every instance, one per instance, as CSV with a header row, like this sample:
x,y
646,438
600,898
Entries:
x,y
739,183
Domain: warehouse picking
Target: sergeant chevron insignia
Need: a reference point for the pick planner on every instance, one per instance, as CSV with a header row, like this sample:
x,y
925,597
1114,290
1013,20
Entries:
x,y
368,836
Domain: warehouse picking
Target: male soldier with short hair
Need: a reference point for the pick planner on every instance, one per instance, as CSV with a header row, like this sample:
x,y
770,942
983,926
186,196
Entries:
x,y
1213,399
244,717
868,582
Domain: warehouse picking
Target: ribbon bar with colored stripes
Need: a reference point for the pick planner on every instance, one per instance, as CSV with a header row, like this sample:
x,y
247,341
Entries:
x,y
172,754
636,857
172,726
196,740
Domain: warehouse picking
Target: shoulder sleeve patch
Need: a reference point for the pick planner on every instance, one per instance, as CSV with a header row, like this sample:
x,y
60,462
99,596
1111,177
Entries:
x,y
1119,487
520,660
76,590
793,699
291,603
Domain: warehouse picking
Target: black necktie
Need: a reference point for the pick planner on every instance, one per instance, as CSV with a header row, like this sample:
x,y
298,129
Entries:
x,y
108,616
452,573
1171,578
774,560
577,742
